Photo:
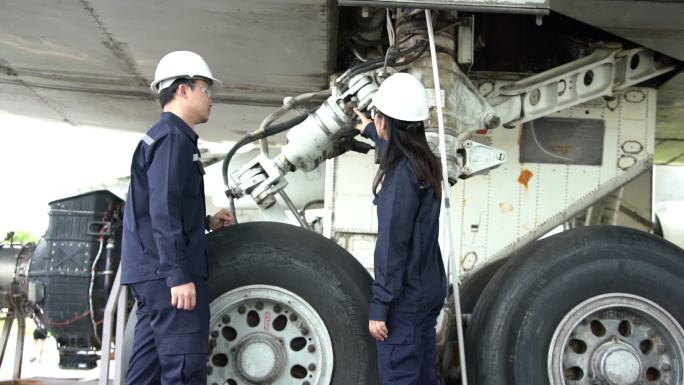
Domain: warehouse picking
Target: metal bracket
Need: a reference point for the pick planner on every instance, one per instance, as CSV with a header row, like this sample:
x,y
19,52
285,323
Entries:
x,y
605,71
261,178
264,180
479,158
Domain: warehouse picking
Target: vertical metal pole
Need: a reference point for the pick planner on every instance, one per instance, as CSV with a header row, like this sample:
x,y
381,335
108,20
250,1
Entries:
x,y
445,196
107,326
5,335
19,351
120,327
587,216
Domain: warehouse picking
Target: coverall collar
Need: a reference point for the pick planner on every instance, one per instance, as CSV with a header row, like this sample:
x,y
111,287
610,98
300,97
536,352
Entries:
x,y
180,123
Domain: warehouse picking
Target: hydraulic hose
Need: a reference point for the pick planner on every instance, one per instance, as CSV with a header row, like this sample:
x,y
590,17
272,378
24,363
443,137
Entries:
x,y
251,137
379,62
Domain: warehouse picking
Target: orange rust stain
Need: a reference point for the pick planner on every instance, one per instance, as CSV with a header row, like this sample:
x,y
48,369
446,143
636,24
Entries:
x,y
524,178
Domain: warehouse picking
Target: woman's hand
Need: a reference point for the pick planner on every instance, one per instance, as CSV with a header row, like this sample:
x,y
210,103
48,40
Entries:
x,y
364,121
378,329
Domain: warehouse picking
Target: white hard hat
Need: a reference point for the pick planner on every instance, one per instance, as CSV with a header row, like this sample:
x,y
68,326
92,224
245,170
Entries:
x,y
181,64
402,96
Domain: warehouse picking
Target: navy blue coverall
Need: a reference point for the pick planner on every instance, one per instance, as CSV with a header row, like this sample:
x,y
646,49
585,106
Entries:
x,y
410,281
163,247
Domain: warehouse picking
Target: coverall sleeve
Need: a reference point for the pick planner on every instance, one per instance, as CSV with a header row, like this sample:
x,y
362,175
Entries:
x,y
168,171
397,211
371,132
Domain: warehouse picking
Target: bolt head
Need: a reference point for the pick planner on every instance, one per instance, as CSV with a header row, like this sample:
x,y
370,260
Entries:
x,y
311,348
259,305
312,367
293,317
214,334
241,309
277,309
225,319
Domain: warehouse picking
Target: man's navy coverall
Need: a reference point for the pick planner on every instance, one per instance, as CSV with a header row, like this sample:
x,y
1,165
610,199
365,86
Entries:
x,y
163,247
410,281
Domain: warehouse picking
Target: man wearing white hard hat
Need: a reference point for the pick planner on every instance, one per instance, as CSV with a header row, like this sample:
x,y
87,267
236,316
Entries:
x,y
410,282
163,256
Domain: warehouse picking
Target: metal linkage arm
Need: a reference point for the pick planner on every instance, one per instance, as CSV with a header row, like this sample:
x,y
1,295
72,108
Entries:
x,y
605,71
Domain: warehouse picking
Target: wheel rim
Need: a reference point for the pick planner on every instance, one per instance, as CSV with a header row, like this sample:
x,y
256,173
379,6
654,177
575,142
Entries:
x,y
266,334
617,339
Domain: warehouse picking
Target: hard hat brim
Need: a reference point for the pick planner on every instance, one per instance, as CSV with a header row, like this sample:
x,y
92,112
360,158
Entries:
x,y
216,85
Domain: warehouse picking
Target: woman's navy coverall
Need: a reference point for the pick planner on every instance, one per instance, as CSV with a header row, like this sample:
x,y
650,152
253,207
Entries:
x,y
410,281
163,247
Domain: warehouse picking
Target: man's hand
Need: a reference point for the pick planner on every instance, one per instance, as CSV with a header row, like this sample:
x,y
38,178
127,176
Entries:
x,y
378,329
183,296
364,121
221,219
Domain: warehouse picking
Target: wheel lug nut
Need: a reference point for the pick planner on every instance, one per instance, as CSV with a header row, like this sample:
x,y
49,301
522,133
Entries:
x,y
312,367
661,349
212,343
305,330
241,309
277,308
665,367
651,333
214,334
209,369
259,305
306,383
293,317
637,321
225,319
311,348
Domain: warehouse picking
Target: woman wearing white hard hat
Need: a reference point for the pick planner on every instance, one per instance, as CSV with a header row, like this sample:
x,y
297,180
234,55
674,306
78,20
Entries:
x,y
410,281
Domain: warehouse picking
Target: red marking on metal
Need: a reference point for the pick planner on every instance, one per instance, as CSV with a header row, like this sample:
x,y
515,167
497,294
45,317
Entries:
x,y
524,178
267,321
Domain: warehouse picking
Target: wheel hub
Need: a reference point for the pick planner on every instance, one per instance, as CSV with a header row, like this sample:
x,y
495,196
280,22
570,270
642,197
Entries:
x,y
617,339
267,335
260,358
617,363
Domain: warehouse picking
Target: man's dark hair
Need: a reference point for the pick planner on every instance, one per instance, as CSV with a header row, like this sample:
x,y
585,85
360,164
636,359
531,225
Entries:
x,y
167,94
